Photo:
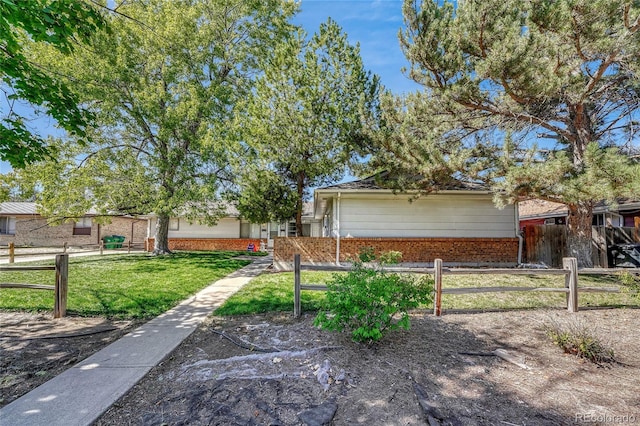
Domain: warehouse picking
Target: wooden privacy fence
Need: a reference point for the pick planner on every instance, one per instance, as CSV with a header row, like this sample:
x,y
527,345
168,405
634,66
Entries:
x,y
59,288
569,271
548,243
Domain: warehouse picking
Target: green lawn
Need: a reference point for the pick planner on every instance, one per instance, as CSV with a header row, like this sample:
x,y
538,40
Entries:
x,y
122,286
530,299
274,292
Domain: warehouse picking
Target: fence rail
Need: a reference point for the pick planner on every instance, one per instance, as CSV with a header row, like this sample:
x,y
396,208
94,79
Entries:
x,y
59,289
569,271
12,251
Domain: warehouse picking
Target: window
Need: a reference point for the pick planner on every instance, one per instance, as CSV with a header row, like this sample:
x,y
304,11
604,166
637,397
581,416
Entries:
x,y
292,229
82,226
174,224
7,225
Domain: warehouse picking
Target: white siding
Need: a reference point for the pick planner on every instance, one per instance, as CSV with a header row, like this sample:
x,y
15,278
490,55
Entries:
x,y
255,230
316,229
225,228
436,215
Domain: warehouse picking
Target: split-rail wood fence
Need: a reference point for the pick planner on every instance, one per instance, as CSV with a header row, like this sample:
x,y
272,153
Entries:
x,y
128,246
59,289
569,271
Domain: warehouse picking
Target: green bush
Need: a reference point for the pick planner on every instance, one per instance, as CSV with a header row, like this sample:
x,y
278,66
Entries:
x,y
366,300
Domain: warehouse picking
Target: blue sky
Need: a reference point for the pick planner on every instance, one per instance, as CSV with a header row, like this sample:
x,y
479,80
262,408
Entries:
x,y
372,23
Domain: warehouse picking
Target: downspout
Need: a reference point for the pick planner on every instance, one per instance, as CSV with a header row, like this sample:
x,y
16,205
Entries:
x,y
338,231
520,247
520,239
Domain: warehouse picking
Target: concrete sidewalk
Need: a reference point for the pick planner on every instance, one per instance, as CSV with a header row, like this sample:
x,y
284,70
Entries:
x,y
82,393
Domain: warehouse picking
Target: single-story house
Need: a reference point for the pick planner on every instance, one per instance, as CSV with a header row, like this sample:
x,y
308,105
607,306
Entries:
x,y
231,232
460,225
21,224
541,212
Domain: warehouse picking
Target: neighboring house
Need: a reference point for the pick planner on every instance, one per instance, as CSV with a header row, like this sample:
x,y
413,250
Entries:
x,y
231,232
612,226
21,224
461,226
541,212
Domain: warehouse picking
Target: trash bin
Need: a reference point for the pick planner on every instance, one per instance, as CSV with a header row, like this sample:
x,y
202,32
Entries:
x,y
109,242
118,240
625,255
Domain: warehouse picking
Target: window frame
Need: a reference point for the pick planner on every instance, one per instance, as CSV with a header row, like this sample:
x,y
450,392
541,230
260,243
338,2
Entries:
x,y
6,229
80,227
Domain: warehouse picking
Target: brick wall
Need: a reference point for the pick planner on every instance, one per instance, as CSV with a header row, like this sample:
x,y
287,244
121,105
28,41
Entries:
x,y
453,251
208,243
34,231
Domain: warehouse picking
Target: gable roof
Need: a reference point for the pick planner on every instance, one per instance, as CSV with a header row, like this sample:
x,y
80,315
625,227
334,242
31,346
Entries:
x,y
18,208
542,209
376,183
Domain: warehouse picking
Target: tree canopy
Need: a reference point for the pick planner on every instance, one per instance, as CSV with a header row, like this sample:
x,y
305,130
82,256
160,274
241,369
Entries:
x,y
163,85
304,125
536,98
61,24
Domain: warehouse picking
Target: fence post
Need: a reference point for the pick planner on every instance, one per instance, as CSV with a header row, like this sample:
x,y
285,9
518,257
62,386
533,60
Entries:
x,y
60,291
101,246
437,275
296,286
12,252
129,247
571,282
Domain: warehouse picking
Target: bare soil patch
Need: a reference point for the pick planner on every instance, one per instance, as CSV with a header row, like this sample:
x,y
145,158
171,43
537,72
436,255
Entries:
x,y
35,347
274,370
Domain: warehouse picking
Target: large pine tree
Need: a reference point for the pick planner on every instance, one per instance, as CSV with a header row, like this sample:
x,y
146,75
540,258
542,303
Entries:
x,y
539,98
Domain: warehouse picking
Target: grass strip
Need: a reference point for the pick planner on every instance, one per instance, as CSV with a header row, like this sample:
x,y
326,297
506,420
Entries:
x,y
274,292
123,286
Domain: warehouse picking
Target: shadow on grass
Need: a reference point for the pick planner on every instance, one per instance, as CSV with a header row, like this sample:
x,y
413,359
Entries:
x,y
124,305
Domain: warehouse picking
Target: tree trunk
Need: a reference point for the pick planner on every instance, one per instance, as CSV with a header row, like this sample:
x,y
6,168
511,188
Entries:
x,y
161,243
579,237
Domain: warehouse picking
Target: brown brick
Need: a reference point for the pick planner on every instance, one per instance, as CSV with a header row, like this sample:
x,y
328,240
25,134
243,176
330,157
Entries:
x,y
34,231
476,251
240,244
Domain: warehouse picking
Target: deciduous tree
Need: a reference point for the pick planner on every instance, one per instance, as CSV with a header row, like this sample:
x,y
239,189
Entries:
x,y
61,24
163,86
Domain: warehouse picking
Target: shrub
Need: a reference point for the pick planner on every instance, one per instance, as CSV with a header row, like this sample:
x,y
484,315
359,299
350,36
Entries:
x,y
366,300
367,254
390,257
578,339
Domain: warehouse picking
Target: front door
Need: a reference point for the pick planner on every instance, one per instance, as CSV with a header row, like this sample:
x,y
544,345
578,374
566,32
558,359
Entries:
x,y
273,230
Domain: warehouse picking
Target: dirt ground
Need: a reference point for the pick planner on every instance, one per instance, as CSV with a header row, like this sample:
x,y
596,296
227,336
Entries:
x,y
35,347
274,370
